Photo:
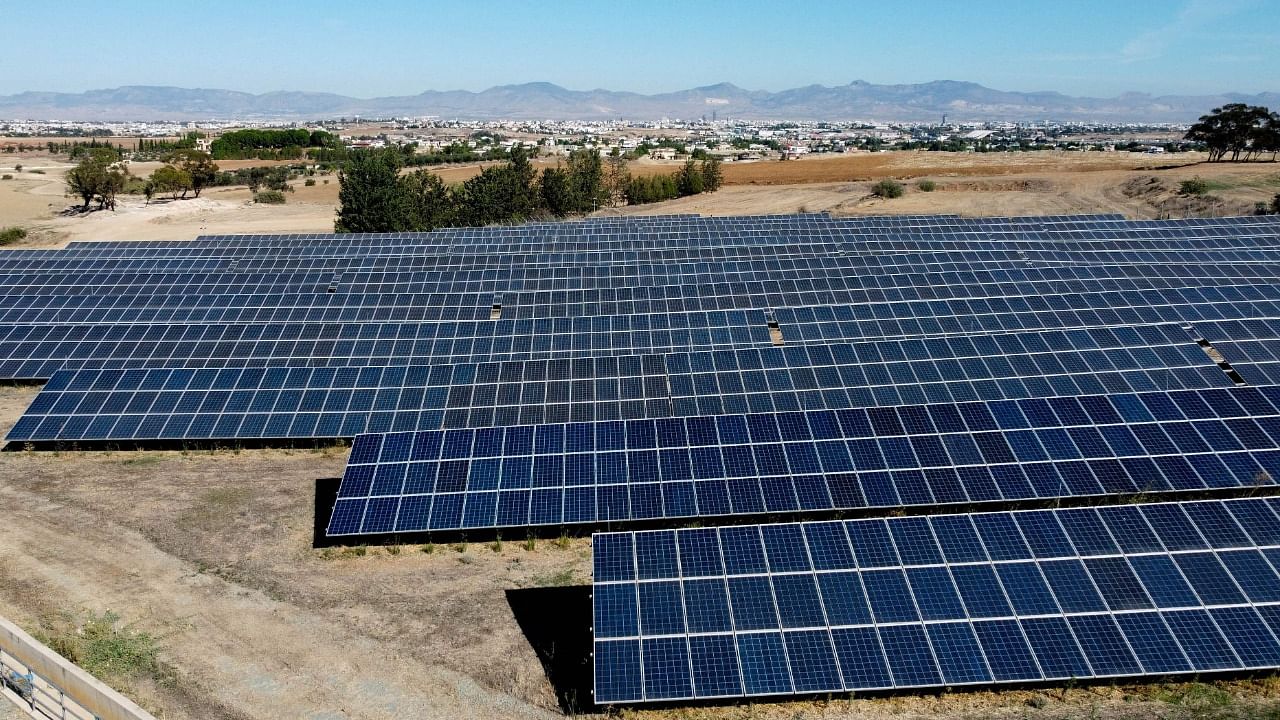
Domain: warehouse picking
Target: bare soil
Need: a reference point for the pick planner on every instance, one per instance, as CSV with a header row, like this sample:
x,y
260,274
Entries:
x,y
211,552
967,184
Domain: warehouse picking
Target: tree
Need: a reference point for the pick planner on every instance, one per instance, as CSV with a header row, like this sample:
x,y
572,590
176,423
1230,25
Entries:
x,y
617,178
712,174
586,180
1229,129
99,175
1266,137
429,204
553,187
198,166
171,180
371,198
690,179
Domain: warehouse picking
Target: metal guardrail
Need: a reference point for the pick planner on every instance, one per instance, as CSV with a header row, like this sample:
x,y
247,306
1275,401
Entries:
x,y
37,695
48,685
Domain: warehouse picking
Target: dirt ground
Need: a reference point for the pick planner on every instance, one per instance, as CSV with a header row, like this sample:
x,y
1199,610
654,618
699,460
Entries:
x,y
969,184
211,553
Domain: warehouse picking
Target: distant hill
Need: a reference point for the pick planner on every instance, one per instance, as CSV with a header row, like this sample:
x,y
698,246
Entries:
x,y
859,100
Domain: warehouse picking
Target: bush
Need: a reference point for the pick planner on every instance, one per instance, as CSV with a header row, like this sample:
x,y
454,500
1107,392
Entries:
x,y
309,182
36,172
887,189
1194,186
6,177
269,197
927,186
12,235
17,168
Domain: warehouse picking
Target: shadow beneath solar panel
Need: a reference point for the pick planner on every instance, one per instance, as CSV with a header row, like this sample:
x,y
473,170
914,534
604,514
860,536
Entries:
x,y
557,623
187,445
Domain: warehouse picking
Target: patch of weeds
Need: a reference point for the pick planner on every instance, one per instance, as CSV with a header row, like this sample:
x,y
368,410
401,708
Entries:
x,y
1195,186
141,459
355,551
496,545
107,649
927,185
560,578
562,542
429,548
392,549
328,553
12,235
466,559
887,189
1198,695
460,547
530,543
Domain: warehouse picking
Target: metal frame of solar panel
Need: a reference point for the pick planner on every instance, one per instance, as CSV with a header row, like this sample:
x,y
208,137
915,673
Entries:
x,y
937,601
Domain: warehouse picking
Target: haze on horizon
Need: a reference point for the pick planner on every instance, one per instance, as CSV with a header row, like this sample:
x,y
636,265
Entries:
x,y
1092,48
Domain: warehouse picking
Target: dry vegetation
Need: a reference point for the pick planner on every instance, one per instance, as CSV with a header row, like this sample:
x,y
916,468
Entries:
x,y
208,555
226,612
964,183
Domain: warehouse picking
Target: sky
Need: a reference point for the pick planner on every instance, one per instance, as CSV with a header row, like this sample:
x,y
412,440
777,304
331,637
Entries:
x,y
374,48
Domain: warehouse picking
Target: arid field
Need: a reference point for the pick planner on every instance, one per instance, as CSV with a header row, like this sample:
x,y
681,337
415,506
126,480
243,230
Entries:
x,y
209,552
1139,186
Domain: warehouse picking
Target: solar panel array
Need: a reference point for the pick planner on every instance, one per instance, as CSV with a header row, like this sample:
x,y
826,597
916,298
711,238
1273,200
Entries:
x,y
675,369
939,601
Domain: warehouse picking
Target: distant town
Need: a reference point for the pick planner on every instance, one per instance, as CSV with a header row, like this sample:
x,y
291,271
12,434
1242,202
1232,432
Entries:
x,y
729,140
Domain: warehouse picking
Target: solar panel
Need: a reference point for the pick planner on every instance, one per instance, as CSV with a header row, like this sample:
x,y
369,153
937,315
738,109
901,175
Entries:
x,y
940,454
937,601
342,402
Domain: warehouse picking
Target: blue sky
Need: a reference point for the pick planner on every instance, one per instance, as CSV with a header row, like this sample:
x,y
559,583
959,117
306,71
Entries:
x,y
394,47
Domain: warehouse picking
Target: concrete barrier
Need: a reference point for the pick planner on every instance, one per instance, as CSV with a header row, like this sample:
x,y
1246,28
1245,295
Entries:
x,y
78,685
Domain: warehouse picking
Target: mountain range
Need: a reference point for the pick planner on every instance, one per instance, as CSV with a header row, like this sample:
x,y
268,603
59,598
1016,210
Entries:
x,y
859,100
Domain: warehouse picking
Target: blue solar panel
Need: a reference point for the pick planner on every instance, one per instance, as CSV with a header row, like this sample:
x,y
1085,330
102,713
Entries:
x,y
808,608
584,473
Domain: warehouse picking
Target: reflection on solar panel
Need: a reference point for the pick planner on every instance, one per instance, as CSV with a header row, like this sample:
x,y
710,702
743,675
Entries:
x,y
946,600
548,475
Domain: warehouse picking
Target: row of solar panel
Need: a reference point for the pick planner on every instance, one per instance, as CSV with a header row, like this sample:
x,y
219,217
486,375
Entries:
x,y
904,271
714,294
947,600
356,400
865,252
548,475
40,352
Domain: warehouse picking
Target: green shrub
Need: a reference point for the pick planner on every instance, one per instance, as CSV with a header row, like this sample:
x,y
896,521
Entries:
x,y
927,186
310,182
12,235
1195,186
887,189
269,197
